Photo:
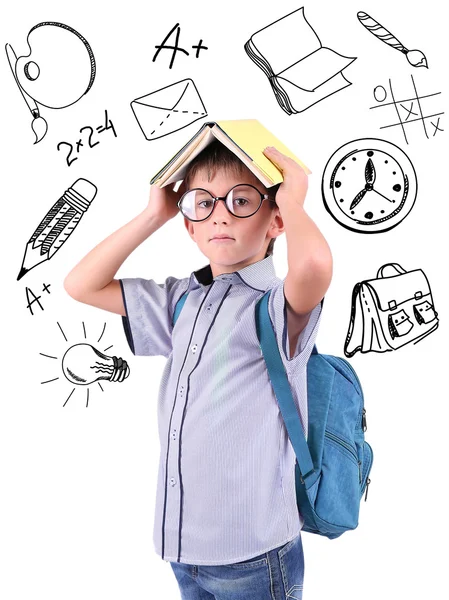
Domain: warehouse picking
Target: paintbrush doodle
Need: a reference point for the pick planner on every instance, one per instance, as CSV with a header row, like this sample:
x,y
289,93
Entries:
x,y
415,57
300,70
57,72
83,365
168,109
390,311
369,185
411,111
58,224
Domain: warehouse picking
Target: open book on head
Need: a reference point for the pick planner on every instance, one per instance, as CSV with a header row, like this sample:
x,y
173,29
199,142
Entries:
x,y
246,138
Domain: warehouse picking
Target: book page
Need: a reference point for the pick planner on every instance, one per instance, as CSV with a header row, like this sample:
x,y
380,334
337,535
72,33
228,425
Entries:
x,y
302,99
316,69
178,169
286,41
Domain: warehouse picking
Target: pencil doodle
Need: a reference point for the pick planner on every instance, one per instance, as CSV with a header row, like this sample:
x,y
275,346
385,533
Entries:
x,y
415,57
59,69
83,365
168,109
369,185
108,124
176,48
58,224
300,70
32,298
390,311
410,109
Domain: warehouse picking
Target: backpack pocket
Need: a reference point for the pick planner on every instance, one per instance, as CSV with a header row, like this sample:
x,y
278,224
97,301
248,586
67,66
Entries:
x,y
341,477
367,461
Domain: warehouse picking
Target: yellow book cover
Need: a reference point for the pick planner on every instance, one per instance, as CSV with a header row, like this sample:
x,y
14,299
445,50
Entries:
x,y
252,137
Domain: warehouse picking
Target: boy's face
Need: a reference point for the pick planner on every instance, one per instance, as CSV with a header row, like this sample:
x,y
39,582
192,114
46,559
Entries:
x,y
251,235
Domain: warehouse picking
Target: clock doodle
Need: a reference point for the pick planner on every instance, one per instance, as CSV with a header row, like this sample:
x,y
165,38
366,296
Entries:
x,y
369,185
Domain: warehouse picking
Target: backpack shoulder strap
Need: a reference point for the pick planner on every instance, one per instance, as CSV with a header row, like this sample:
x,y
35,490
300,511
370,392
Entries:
x,y
281,386
178,307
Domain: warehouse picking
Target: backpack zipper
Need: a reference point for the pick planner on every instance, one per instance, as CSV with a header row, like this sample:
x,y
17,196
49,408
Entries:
x,y
368,481
364,426
347,447
351,368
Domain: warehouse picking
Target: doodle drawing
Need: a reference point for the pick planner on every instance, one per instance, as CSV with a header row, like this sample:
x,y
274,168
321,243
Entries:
x,y
390,311
415,57
83,365
413,108
300,70
369,185
33,299
58,224
176,47
169,109
57,72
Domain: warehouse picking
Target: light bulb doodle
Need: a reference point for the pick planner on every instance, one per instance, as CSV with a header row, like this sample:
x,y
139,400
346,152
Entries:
x,y
83,364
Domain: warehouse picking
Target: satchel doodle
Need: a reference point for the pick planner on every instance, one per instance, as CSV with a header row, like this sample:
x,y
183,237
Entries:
x,y
390,311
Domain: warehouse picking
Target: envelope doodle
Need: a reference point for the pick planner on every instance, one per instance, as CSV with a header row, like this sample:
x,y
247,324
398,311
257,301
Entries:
x,y
168,109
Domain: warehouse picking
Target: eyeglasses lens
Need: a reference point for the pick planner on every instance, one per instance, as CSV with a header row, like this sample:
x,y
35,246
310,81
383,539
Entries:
x,y
242,201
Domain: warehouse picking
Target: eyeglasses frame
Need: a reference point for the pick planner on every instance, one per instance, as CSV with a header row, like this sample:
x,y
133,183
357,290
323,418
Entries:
x,y
224,198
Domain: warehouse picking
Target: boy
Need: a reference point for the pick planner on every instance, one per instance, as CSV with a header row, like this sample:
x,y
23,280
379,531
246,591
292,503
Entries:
x,y
226,513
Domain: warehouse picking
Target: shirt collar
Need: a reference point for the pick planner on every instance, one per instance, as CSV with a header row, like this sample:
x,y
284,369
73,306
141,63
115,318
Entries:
x,y
258,275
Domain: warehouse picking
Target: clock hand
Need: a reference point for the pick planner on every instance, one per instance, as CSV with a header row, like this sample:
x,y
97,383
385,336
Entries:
x,y
370,172
358,198
370,178
382,195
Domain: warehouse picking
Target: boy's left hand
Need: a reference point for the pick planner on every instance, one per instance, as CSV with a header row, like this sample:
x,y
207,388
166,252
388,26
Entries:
x,y
294,187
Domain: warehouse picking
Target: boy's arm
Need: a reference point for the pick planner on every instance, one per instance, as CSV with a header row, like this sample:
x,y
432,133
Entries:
x,y
92,280
308,254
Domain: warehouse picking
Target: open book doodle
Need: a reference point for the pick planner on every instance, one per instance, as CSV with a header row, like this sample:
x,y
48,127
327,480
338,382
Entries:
x,y
300,70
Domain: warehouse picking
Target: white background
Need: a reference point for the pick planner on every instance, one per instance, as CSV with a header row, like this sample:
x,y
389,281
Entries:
x,y
78,484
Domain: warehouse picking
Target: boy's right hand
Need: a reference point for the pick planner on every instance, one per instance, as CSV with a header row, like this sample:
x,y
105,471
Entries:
x,y
163,203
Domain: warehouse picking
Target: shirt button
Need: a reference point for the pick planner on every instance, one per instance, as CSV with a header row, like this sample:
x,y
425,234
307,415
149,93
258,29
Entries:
x,y
209,307
172,481
173,435
193,348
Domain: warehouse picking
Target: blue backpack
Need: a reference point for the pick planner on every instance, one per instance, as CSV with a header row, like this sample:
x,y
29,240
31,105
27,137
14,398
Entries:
x,y
332,466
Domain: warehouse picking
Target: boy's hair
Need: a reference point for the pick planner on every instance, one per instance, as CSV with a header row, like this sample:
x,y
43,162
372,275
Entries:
x,y
217,156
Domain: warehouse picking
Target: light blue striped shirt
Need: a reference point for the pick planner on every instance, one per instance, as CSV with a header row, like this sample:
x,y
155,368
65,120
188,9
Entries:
x,y
226,481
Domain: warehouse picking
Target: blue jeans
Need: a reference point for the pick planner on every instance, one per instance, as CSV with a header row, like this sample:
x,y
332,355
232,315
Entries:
x,y
274,575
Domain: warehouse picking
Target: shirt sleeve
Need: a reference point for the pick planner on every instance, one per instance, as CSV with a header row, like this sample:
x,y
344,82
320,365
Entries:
x,y
149,307
277,307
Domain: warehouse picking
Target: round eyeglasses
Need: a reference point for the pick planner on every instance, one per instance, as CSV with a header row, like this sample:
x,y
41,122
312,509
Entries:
x,y
242,201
